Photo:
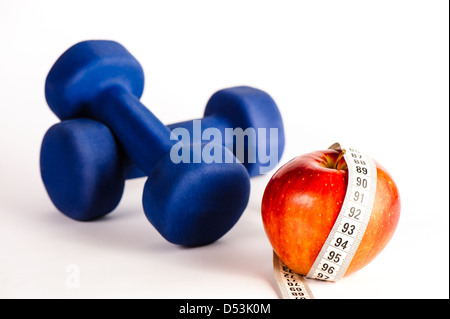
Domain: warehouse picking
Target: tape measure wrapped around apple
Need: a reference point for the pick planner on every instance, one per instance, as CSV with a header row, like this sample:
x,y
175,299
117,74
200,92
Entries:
x,y
330,213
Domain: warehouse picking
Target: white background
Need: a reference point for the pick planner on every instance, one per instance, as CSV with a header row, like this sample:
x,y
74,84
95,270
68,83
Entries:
x,y
373,74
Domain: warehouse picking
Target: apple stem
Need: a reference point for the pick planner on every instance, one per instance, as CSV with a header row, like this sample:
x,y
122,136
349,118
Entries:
x,y
339,158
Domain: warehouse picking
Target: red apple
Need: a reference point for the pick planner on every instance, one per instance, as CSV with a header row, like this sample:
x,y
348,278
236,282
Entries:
x,y
303,199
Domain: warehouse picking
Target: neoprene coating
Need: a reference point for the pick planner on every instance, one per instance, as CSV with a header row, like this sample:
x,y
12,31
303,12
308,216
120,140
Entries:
x,y
189,204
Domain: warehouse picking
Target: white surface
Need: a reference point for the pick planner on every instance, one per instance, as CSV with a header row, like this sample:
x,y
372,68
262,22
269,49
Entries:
x,y
326,63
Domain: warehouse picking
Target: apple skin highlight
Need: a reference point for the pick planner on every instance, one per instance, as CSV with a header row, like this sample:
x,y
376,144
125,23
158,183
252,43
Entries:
x,y
301,203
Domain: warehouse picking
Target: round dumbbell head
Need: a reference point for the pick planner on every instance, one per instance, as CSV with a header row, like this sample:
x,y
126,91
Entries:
x,y
81,168
194,204
86,69
246,107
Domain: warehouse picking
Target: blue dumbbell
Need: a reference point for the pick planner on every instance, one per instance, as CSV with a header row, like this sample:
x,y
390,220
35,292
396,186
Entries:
x,y
188,203
242,108
250,108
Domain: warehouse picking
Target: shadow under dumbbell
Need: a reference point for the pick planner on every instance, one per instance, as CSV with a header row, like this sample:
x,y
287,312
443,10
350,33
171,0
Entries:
x,y
127,233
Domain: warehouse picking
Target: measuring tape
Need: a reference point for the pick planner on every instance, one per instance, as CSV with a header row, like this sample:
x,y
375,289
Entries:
x,y
348,230
290,284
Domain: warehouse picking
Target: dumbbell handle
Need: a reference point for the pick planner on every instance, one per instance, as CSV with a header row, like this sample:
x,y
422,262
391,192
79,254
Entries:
x,y
143,136
132,171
